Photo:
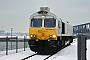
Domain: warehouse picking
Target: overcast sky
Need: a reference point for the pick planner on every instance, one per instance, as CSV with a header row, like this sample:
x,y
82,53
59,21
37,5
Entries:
x,y
15,13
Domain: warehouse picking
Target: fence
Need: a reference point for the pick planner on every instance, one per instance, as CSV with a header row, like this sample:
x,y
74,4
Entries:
x,y
14,43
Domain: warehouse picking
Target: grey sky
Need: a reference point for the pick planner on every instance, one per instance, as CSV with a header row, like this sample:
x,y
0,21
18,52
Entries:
x,y
16,13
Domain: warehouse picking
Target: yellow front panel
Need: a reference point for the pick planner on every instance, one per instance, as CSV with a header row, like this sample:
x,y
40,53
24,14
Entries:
x,y
43,33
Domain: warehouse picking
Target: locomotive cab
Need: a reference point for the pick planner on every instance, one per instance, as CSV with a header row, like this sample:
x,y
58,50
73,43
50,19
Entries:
x,y
43,29
43,34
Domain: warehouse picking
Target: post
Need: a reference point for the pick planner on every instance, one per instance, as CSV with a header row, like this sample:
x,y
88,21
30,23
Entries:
x,y
81,47
16,44
7,45
11,37
24,43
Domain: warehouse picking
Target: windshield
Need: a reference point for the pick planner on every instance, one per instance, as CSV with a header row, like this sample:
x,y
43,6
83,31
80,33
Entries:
x,y
49,23
36,22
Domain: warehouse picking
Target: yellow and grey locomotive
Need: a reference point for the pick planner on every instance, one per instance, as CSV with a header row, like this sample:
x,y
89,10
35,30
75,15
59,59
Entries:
x,y
48,33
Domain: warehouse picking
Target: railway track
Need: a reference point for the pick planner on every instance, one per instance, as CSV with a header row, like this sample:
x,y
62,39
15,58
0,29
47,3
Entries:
x,y
48,56
28,57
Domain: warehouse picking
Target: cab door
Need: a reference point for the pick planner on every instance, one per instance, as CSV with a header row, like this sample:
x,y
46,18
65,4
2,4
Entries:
x,y
59,27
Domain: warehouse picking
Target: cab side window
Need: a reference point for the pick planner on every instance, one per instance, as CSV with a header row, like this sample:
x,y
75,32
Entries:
x,y
58,24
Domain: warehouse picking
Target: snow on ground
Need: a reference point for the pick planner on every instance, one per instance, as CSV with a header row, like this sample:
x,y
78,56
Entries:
x,y
3,53
68,53
17,56
88,49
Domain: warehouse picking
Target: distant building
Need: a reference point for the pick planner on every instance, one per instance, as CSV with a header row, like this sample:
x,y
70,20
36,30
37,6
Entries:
x,y
2,32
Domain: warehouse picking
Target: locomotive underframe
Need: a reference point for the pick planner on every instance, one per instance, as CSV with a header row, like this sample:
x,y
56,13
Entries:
x,y
49,46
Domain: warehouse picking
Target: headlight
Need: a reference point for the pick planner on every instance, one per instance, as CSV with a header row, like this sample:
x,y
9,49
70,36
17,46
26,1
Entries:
x,y
50,36
43,17
34,35
54,36
31,35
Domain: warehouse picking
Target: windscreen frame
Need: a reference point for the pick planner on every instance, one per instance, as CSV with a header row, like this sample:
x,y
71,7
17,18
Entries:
x,y
35,19
50,19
